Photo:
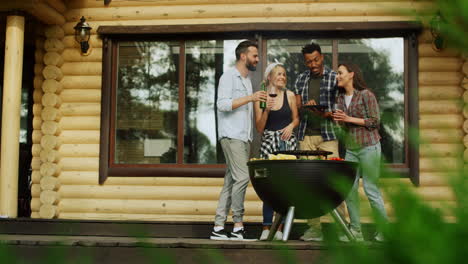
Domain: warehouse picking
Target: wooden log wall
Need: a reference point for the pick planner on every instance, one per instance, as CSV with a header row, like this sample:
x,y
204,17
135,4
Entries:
x,y
49,12
68,95
441,109
37,122
47,115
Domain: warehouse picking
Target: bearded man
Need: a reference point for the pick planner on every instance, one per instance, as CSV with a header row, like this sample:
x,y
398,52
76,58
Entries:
x,y
235,116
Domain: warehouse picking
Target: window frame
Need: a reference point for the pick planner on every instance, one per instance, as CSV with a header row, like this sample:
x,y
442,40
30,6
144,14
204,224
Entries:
x,y
112,35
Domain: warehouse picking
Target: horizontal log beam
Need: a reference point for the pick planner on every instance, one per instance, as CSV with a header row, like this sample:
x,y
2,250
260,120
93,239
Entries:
x,y
427,50
245,10
316,26
46,14
441,107
150,217
80,123
441,150
444,193
440,78
228,24
72,4
445,64
80,136
438,136
433,121
91,177
432,179
57,5
82,68
129,192
440,164
81,95
74,55
81,109
148,206
69,42
79,150
441,92
81,82
79,164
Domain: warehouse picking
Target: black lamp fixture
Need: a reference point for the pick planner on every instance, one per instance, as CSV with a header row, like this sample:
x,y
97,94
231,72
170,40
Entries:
x,y
438,42
82,34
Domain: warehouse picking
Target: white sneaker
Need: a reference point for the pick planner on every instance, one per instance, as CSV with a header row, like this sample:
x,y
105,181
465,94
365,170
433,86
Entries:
x,y
266,232
312,235
264,235
357,234
379,237
278,235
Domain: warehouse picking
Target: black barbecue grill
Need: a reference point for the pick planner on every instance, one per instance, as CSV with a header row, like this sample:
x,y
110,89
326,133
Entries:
x,y
305,188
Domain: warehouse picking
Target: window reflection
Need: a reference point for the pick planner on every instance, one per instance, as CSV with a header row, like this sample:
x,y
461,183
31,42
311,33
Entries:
x,y
205,63
147,95
382,64
147,103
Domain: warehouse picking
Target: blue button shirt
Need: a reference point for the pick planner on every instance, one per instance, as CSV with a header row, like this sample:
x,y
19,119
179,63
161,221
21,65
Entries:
x,y
237,123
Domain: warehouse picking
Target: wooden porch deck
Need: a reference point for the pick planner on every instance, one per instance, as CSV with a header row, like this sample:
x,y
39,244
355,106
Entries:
x,y
116,250
36,240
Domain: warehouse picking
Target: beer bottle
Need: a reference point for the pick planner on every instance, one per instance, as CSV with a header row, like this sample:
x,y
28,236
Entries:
x,y
262,88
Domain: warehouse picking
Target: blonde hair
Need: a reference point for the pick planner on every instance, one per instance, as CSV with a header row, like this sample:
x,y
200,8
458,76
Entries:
x,y
271,69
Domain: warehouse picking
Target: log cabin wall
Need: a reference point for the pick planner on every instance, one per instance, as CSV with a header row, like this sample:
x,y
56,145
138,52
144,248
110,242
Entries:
x,y
441,120
66,150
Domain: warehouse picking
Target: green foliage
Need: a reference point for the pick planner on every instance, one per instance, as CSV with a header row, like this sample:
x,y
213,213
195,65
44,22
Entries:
x,y
454,24
419,232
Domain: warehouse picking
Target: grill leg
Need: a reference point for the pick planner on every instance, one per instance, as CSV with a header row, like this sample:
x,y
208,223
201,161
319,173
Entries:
x,y
288,223
274,226
339,220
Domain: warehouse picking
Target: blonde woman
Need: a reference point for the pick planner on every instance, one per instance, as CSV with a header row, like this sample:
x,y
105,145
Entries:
x,y
276,123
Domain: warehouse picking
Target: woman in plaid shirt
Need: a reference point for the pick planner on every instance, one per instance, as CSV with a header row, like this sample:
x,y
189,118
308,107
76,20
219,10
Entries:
x,y
358,113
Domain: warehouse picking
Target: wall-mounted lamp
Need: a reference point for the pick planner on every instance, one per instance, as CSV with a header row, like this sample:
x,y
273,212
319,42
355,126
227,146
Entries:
x,y
82,34
438,42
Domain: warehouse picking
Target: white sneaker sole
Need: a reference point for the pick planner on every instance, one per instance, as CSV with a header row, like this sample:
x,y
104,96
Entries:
x,y
219,238
312,239
244,239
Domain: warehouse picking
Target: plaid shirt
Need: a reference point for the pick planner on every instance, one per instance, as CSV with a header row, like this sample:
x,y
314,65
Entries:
x,y
363,105
271,142
328,93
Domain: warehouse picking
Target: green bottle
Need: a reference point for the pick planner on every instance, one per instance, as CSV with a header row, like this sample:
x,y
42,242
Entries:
x,y
262,88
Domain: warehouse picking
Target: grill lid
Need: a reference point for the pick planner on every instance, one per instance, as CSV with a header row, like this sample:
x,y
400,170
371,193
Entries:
x,y
299,153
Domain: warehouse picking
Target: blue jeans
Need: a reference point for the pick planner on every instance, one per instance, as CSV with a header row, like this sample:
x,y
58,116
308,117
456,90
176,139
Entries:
x,y
369,171
267,209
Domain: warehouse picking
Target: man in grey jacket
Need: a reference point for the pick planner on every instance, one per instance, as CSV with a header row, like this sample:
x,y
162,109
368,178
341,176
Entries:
x,y
235,114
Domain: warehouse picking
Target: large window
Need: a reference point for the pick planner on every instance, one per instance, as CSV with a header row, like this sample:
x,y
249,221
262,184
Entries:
x,y
159,94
